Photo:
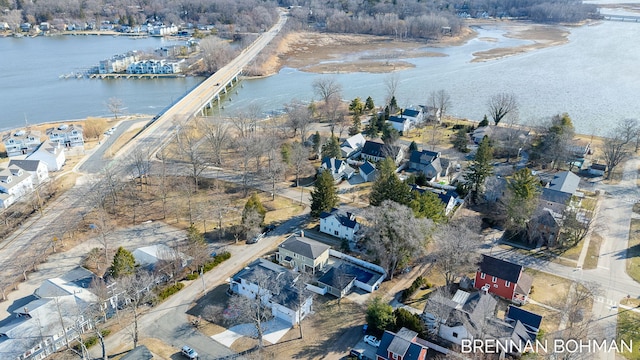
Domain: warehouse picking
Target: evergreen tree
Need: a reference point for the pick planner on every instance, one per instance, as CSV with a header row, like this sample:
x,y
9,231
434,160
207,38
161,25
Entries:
x,y
356,127
369,104
461,140
372,129
428,204
393,105
194,236
523,189
123,263
323,196
389,134
253,204
413,146
481,167
285,151
380,315
388,186
387,112
356,106
484,122
316,140
331,148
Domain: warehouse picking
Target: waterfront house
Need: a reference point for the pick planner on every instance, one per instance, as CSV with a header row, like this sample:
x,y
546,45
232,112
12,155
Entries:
x,y
14,183
426,162
51,153
376,150
67,135
21,142
118,63
37,169
153,67
276,287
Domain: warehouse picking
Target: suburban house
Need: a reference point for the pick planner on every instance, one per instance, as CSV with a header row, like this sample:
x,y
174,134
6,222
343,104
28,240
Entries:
x,y
339,169
554,200
53,320
152,256
401,123
21,142
343,275
426,162
530,320
352,145
598,169
479,133
303,254
37,169
468,316
404,345
276,287
339,224
376,150
368,172
504,279
51,153
66,135
14,183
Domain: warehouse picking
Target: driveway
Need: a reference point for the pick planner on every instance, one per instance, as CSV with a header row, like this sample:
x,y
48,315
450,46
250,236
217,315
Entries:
x,y
274,330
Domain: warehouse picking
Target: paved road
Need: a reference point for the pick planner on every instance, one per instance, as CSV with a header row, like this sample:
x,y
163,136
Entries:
x,y
96,162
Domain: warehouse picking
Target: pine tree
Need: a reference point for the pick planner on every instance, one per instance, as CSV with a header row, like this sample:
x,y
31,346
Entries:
x,y
356,127
369,104
461,140
413,146
253,204
428,205
481,167
331,148
393,105
523,188
316,140
323,196
388,186
123,263
484,122
194,236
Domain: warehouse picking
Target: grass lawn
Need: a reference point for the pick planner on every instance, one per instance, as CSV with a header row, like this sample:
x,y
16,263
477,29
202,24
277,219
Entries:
x,y
629,330
633,252
548,289
419,299
588,203
593,252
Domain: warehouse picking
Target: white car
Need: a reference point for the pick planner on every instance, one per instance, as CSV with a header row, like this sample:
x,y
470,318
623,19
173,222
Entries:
x,y
189,352
371,340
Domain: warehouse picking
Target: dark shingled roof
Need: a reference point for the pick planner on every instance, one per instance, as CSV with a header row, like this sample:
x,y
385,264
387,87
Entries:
x,y
367,168
501,269
555,196
404,343
306,247
529,319
379,149
346,220
410,112
423,157
397,119
26,165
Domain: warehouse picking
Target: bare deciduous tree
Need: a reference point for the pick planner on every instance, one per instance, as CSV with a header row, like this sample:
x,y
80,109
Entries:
x,y
394,235
115,106
217,136
450,241
299,160
617,145
391,83
136,291
500,105
256,309
298,118
326,88
439,101
216,53
190,149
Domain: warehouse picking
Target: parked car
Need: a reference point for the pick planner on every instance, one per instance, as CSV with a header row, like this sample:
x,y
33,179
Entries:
x,y
255,239
189,352
358,354
372,340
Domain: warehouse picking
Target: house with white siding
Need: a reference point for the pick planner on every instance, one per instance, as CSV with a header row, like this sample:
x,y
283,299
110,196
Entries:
x,y
37,169
51,153
14,184
276,286
339,224
21,142
67,135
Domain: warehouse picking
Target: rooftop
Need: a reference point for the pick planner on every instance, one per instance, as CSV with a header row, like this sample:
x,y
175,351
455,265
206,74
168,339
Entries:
x,y
304,246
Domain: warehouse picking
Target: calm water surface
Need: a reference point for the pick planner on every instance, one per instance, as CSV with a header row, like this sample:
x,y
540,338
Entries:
x,y
595,78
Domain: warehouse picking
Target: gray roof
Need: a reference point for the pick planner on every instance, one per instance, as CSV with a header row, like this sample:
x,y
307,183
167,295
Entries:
x,y
401,342
255,271
139,353
565,181
367,168
26,165
306,247
423,157
555,196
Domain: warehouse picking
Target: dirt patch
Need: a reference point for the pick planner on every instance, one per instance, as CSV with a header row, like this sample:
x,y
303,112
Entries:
x,y
335,53
543,36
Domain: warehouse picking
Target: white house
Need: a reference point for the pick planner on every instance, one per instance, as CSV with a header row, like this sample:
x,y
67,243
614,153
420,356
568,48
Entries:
x,y
67,135
352,145
339,169
21,142
338,224
118,63
51,153
153,67
37,169
149,256
415,116
400,123
14,183
276,287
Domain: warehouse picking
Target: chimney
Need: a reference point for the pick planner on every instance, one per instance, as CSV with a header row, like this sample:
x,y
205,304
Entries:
x,y
485,289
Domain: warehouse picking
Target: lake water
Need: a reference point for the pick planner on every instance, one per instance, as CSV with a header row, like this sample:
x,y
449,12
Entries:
x,y
595,78
30,86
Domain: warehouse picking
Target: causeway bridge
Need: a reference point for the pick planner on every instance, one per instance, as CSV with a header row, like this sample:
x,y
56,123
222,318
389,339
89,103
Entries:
x,y
629,18
160,129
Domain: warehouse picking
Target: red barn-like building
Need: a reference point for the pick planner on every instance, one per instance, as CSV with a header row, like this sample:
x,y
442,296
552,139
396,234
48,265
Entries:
x,y
504,279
